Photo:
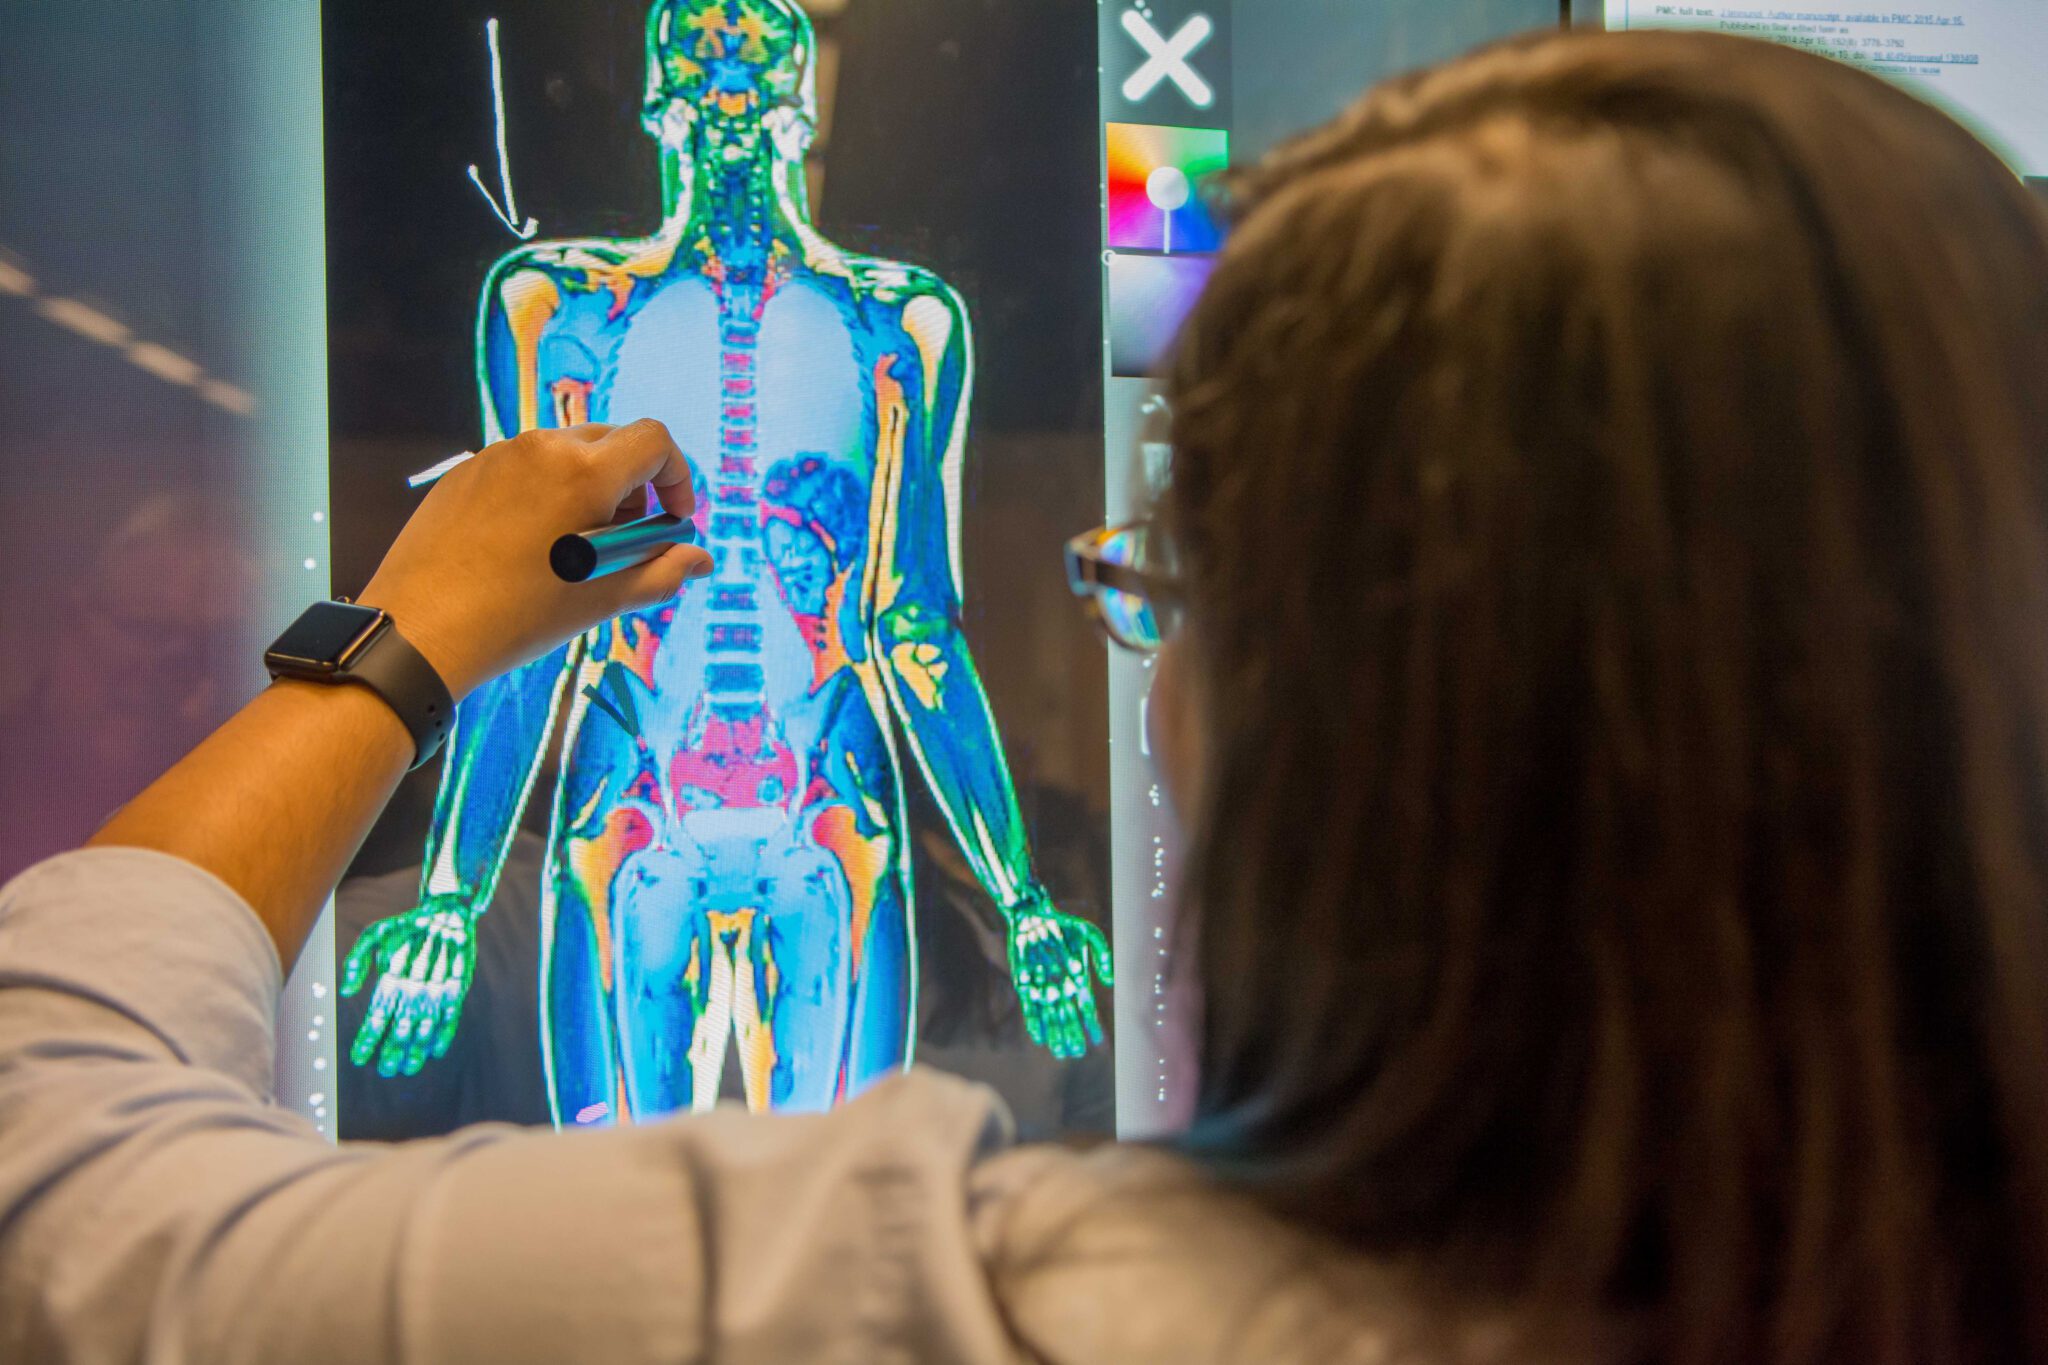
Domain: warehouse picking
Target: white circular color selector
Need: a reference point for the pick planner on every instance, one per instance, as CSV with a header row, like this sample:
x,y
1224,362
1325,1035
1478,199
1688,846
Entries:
x,y
1168,189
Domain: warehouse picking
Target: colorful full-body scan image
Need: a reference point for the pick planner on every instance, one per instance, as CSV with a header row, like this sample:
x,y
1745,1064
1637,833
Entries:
x,y
727,871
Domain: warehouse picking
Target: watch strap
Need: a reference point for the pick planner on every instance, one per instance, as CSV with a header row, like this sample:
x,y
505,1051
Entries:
x,y
401,675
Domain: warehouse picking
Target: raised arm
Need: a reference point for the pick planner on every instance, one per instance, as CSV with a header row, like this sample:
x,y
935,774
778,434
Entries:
x,y
276,802
922,401
157,1206
424,959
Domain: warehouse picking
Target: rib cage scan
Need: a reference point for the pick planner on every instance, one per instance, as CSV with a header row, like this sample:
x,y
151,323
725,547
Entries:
x,y
727,868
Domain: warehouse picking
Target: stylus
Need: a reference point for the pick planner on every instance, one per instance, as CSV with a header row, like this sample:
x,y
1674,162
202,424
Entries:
x,y
608,549
433,473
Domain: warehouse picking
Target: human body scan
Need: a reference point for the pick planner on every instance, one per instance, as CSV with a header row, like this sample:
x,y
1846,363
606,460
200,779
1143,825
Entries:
x,y
727,868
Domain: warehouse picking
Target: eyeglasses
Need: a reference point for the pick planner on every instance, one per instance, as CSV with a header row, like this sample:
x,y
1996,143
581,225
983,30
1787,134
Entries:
x,y
1131,593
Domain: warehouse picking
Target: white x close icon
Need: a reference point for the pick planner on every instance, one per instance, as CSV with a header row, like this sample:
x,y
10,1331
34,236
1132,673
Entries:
x,y
1167,58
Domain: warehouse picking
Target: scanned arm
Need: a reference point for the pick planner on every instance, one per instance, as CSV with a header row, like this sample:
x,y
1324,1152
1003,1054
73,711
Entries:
x,y
424,959
932,683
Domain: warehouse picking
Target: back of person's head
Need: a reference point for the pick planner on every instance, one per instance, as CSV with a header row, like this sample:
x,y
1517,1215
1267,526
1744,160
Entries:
x,y
1609,483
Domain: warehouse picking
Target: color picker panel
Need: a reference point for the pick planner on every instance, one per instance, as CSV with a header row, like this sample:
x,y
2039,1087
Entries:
x,y
1155,183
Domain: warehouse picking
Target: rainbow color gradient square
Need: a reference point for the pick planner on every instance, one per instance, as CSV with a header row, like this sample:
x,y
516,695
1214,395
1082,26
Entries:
x,y
1155,182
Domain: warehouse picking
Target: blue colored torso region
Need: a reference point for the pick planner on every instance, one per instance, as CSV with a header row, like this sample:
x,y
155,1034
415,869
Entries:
x,y
727,878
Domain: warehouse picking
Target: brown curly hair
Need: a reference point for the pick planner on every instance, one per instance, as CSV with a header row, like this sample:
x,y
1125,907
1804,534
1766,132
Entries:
x,y
1610,486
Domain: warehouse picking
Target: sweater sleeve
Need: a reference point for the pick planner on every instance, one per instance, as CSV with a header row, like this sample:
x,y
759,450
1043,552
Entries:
x,y
156,1204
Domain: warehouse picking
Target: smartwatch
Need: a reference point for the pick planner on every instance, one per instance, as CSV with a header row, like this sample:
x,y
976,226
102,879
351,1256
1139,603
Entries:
x,y
343,642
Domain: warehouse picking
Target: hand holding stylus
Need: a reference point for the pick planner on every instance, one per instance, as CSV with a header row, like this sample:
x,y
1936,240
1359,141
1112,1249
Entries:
x,y
604,550
584,555
469,580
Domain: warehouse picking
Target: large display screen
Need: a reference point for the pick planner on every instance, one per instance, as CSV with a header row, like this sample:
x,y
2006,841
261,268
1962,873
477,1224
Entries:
x,y
843,803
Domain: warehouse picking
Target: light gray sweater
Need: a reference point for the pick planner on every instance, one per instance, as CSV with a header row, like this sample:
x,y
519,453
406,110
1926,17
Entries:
x,y
156,1204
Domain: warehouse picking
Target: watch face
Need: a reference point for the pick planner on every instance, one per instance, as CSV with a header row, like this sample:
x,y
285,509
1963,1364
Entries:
x,y
324,636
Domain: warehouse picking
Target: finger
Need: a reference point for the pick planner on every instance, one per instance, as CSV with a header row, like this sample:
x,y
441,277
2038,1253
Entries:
x,y
392,1053
1071,1029
1104,960
633,506
392,1059
656,581
454,991
449,1001
1092,1019
589,433
406,1017
356,970
428,1033
415,1059
444,1036
402,1017
365,1046
371,1034
644,453
1063,1036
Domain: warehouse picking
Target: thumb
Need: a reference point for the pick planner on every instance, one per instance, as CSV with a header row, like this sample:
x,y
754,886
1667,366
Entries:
x,y
1104,961
357,969
659,579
